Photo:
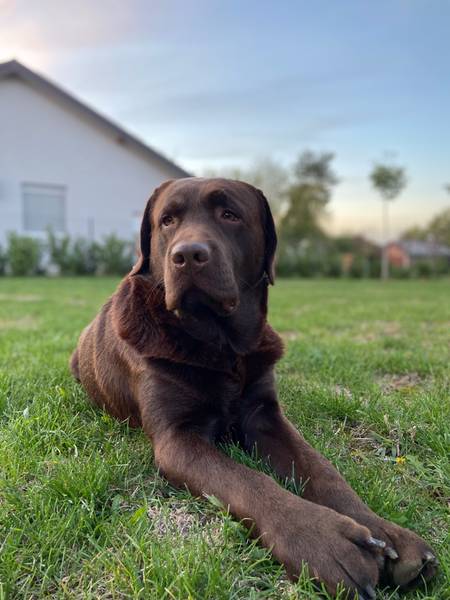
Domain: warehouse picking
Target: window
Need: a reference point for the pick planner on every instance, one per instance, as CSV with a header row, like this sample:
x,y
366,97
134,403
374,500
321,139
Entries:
x,y
44,206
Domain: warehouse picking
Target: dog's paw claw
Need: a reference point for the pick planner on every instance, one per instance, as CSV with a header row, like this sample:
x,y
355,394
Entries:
x,y
429,558
376,543
370,592
391,553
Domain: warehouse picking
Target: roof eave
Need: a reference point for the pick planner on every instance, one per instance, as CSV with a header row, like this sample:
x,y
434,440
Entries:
x,y
14,68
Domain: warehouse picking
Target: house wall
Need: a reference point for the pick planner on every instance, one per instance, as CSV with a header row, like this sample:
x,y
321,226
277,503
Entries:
x,y
41,141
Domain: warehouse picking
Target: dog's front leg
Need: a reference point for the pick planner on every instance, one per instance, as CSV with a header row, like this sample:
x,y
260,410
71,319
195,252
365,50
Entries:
x,y
335,548
264,427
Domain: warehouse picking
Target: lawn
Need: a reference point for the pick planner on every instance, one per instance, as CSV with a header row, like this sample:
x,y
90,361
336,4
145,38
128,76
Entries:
x,y
83,514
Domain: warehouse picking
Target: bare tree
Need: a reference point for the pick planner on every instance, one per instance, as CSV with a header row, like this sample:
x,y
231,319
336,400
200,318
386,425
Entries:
x,y
389,181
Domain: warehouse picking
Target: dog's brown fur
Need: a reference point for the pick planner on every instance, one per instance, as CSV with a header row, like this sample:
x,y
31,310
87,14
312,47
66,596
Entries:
x,y
184,350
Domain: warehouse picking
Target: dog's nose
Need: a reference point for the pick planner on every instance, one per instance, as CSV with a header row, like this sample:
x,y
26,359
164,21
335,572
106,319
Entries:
x,y
194,254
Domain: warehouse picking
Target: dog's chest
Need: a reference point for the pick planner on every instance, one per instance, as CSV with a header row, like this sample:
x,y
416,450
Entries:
x,y
217,415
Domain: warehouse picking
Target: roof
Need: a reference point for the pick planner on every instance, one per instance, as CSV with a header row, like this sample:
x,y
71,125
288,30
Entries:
x,y
423,249
16,69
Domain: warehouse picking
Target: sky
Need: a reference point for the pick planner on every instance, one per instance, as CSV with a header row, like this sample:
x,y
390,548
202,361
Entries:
x,y
213,84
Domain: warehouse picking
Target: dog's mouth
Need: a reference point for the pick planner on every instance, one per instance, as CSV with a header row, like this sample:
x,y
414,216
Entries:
x,y
204,317
198,305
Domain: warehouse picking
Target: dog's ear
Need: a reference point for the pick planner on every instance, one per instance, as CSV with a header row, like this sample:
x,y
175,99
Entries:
x,y
270,235
142,267
133,308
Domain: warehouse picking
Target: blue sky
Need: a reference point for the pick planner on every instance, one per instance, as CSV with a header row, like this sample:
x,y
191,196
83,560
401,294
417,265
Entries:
x,y
212,84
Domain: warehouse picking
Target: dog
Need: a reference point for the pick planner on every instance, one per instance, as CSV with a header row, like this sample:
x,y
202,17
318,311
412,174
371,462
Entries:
x,y
183,349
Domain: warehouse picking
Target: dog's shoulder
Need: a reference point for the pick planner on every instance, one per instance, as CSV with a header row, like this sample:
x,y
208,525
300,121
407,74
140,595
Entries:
x,y
268,352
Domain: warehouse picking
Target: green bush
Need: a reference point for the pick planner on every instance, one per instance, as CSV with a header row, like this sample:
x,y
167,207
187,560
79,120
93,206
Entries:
x,y
374,268
357,268
442,266
423,269
285,266
400,272
333,267
85,257
23,254
59,250
2,261
299,266
77,257
115,256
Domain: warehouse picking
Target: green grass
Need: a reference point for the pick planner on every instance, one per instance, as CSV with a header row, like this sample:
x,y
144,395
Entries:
x,y
83,514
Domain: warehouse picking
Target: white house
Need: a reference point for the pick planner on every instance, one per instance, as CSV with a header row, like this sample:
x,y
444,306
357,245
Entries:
x,y
64,166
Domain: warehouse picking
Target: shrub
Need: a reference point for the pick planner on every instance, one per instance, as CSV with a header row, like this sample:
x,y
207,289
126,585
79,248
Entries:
x,y
442,266
77,257
357,268
84,257
285,266
374,268
23,254
115,256
333,267
423,269
400,272
59,251
2,261
298,266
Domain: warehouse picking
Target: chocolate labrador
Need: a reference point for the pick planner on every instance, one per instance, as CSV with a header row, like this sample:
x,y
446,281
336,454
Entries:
x,y
183,349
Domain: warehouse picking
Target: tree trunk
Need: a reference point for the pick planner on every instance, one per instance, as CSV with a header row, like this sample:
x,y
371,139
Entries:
x,y
384,254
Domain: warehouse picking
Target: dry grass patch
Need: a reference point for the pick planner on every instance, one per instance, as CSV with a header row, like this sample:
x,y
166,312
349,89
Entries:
x,y
175,518
23,323
375,330
21,297
399,382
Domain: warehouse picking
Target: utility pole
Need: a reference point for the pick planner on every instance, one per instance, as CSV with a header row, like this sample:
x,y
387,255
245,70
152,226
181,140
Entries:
x,y
389,181
385,235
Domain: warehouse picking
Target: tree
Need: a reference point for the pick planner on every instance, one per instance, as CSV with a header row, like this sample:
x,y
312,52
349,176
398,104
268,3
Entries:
x,y
315,169
439,228
389,181
415,233
308,197
272,178
302,220
298,198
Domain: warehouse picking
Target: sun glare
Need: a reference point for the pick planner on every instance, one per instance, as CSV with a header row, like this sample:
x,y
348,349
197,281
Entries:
x,y
24,43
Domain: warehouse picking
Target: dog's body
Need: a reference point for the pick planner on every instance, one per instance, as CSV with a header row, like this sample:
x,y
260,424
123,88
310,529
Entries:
x,y
184,350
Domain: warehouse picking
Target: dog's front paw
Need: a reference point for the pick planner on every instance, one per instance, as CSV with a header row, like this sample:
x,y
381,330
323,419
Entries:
x,y
335,548
409,560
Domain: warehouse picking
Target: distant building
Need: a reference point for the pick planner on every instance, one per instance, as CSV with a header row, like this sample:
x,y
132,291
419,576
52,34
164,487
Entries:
x,y
406,253
357,250
64,166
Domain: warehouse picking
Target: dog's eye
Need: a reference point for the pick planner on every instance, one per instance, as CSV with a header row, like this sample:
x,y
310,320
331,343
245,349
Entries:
x,y
167,220
228,215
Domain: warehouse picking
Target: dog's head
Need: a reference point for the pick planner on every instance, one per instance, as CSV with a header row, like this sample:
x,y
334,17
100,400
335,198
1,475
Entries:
x,y
210,245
